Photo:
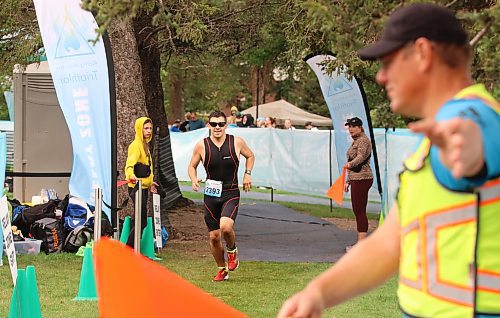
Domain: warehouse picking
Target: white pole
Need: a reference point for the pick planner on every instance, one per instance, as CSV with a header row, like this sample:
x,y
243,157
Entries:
x,y
138,205
97,214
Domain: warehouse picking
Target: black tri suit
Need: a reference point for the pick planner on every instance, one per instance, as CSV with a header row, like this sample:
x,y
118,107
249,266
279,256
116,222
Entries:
x,y
221,165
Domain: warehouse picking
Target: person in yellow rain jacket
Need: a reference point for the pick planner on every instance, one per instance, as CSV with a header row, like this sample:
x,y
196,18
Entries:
x,y
139,166
443,235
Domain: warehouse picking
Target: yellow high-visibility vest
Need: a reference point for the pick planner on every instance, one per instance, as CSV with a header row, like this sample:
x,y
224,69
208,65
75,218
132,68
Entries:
x,y
450,241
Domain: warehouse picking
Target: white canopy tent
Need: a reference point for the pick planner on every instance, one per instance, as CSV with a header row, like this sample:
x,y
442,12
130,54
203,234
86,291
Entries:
x,y
281,110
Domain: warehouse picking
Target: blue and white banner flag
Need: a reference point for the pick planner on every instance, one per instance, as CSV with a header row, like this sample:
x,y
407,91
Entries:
x,y
344,98
5,226
80,73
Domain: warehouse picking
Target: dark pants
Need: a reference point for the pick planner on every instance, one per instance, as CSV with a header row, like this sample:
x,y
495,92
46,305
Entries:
x,y
144,213
359,199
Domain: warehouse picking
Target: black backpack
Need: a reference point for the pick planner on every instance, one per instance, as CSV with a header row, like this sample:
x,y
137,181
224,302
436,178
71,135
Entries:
x,y
48,230
24,216
79,236
40,211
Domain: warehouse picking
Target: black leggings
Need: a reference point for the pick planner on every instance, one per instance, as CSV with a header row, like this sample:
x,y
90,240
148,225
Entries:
x,y
144,212
359,199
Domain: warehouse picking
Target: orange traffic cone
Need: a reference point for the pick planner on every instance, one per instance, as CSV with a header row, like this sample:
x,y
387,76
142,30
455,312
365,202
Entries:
x,y
131,285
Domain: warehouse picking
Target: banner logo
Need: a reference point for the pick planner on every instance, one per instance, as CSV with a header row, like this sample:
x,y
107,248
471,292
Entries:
x,y
71,42
338,85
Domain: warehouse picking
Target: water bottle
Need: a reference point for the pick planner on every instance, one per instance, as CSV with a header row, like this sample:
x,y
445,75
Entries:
x,y
52,194
44,195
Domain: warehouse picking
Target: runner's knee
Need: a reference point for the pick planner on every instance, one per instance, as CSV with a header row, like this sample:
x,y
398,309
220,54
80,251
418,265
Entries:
x,y
226,225
215,236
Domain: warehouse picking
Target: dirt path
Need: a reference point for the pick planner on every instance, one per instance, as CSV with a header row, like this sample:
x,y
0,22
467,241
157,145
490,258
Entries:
x,y
350,224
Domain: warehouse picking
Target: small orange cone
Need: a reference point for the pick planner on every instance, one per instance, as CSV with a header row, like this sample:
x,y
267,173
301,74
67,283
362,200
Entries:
x,y
131,285
336,191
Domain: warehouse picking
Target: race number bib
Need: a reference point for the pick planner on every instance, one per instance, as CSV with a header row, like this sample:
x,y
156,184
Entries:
x,y
213,188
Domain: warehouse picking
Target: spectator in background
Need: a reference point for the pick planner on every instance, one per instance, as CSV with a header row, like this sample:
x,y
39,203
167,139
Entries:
x,y
270,122
260,122
246,121
234,111
232,119
184,126
175,126
309,126
238,119
288,124
359,174
195,123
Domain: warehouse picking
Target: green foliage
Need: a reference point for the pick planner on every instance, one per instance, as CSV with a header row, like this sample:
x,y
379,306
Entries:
x,y
5,85
206,86
218,42
20,40
343,27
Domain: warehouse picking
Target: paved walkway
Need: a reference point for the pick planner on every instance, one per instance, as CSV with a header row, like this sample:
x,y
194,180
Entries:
x,y
267,231
271,232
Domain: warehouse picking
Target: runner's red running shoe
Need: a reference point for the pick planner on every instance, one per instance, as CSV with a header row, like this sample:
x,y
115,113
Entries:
x,y
232,259
222,275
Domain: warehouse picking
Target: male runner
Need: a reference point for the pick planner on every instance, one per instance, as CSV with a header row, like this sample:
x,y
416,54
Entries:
x,y
220,155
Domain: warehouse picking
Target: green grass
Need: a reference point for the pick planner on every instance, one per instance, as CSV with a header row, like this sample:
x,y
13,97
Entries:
x,y
316,210
256,288
323,211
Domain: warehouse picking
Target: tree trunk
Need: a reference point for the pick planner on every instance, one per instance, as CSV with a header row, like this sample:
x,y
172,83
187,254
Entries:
x,y
150,62
260,83
130,101
175,93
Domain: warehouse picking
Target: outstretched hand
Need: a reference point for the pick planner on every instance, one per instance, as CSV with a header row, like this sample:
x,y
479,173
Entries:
x,y
459,141
306,304
195,184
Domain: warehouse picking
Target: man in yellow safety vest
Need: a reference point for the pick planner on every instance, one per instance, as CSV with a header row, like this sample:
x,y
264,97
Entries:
x,y
443,235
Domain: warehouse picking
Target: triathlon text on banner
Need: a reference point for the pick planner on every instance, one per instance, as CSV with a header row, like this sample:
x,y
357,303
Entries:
x,y
80,73
344,99
157,219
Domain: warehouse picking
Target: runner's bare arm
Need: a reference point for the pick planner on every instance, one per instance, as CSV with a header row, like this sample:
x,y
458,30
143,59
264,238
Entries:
x,y
343,280
250,160
195,160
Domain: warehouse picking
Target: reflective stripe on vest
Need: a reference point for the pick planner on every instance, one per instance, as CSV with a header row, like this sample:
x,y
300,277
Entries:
x,y
488,280
435,222
490,192
450,241
428,228
417,284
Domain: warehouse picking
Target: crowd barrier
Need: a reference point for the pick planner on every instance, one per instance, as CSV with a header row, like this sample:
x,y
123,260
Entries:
x,y
302,161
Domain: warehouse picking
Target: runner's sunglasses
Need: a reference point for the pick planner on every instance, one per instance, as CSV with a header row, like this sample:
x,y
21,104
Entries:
x,y
214,124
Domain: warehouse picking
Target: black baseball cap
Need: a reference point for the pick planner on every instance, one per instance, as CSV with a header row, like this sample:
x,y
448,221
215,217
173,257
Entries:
x,y
355,121
411,22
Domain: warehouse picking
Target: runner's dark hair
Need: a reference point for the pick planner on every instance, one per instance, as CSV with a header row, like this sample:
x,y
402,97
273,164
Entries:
x,y
217,113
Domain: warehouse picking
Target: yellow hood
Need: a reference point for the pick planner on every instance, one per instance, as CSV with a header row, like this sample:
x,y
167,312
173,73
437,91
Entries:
x,y
139,125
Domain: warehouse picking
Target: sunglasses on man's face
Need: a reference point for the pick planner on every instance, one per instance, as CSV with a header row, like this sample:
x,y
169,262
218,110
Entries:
x,y
214,124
